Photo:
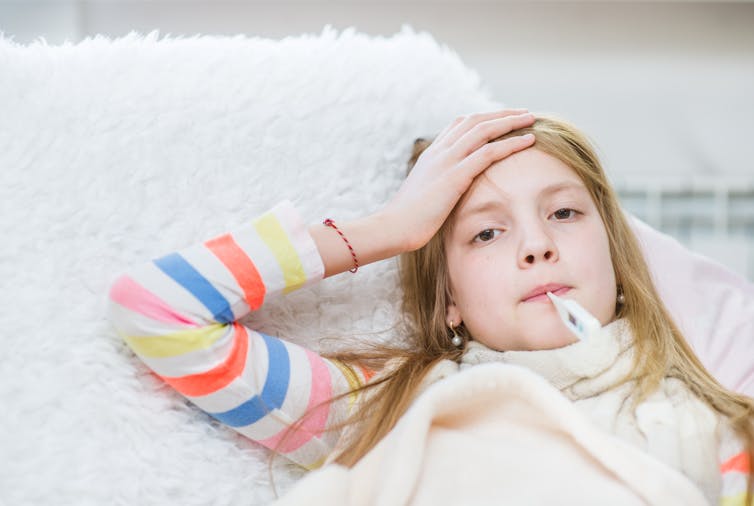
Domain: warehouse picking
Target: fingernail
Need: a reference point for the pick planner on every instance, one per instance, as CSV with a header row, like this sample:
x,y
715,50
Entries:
x,y
527,137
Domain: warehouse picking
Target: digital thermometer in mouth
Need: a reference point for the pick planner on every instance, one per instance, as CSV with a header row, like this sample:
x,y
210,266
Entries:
x,y
576,318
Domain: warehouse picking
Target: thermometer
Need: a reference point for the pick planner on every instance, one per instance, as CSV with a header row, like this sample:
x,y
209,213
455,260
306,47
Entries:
x,y
576,318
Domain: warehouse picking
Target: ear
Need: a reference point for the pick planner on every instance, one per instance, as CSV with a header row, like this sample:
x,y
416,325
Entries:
x,y
453,314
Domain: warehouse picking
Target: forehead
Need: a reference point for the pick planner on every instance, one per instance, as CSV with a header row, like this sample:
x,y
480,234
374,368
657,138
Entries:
x,y
524,174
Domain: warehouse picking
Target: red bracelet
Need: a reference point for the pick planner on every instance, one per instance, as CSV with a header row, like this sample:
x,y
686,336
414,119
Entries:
x,y
328,222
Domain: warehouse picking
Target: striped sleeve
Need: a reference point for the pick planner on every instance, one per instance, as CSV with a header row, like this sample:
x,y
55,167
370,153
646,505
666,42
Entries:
x,y
178,313
734,469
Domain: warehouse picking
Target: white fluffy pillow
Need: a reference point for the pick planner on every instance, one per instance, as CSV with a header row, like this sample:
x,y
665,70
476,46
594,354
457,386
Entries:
x,y
114,152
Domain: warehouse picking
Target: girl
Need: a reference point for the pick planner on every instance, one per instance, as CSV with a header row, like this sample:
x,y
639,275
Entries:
x,y
488,221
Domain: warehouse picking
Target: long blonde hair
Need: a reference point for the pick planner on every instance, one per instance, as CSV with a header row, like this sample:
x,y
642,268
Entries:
x,y
660,348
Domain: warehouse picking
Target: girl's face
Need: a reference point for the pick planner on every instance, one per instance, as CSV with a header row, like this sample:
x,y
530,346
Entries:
x,y
526,226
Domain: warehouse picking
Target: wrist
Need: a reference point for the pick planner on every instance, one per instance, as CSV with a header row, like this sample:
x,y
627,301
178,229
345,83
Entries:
x,y
389,230
371,238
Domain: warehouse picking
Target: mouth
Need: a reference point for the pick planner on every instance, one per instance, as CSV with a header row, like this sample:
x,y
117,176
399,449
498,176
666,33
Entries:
x,y
539,294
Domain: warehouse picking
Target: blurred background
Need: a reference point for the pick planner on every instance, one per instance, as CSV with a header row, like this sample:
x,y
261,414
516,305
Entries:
x,y
664,89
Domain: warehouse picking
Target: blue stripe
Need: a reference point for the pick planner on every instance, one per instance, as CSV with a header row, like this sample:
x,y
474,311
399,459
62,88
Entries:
x,y
273,393
175,266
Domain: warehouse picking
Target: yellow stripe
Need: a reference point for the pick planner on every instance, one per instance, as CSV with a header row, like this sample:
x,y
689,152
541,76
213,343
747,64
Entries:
x,y
274,236
351,378
733,500
317,464
178,343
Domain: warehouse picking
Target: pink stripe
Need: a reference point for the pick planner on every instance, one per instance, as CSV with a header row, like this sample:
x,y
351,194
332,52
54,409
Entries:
x,y
315,422
128,293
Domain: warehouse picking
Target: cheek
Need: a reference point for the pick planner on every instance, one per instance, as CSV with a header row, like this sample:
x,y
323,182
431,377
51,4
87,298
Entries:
x,y
600,276
592,250
604,259
464,274
485,293
477,282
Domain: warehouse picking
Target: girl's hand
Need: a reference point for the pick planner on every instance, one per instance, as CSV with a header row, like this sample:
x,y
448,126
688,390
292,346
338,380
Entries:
x,y
442,173
446,169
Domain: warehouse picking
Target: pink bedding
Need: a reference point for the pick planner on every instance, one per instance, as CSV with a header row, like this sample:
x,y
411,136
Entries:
x,y
713,306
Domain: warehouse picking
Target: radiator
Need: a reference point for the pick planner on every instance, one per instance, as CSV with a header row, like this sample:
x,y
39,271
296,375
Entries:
x,y
712,216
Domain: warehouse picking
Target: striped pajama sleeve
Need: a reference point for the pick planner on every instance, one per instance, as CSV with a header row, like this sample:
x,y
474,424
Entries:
x,y
734,470
178,313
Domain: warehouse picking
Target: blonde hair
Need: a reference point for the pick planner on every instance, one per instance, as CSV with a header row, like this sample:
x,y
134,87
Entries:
x,y
660,348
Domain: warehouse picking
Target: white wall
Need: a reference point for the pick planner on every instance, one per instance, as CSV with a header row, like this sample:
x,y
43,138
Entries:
x,y
663,88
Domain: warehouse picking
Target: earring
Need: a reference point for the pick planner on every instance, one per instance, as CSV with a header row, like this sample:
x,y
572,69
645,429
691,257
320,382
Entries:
x,y
456,340
621,297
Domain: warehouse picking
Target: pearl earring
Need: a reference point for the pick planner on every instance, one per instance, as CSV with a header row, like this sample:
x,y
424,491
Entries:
x,y
621,297
456,340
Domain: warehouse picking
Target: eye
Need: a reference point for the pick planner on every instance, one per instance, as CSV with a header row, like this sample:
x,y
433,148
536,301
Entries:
x,y
565,214
486,235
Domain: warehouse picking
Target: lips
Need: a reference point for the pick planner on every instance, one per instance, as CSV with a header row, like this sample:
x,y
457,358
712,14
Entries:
x,y
540,292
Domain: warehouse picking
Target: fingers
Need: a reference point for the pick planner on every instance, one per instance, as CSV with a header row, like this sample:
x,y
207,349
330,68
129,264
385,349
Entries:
x,y
493,152
463,124
483,132
448,128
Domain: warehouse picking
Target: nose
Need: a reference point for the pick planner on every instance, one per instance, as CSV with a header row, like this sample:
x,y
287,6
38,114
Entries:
x,y
536,247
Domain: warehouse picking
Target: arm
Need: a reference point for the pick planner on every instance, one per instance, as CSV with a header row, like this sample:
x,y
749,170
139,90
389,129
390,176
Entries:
x,y
179,315
373,238
179,312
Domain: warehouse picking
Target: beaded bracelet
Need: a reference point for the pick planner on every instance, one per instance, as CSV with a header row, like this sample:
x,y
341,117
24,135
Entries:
x,y
328,222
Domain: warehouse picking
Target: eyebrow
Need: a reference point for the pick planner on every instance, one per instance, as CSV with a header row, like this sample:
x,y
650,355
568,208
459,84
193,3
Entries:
x,y
489,205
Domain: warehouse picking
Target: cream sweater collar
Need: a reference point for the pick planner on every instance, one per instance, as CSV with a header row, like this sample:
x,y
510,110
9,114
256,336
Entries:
x,y
579,370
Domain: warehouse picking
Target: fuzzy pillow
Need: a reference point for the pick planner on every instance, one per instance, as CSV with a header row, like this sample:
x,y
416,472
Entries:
x,y
114,152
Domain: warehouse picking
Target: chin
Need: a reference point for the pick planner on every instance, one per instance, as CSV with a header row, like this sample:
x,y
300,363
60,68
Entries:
x,y
543,334
551,337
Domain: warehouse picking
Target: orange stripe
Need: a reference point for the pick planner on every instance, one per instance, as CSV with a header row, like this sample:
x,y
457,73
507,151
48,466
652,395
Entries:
x,y
240,265
738,462
195,385
368,373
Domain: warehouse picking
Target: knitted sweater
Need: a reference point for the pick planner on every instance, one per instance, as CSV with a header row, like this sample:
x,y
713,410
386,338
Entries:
x,y
179,314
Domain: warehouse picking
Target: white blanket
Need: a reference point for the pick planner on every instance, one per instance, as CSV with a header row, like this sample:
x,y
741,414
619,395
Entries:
x,y
497,434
